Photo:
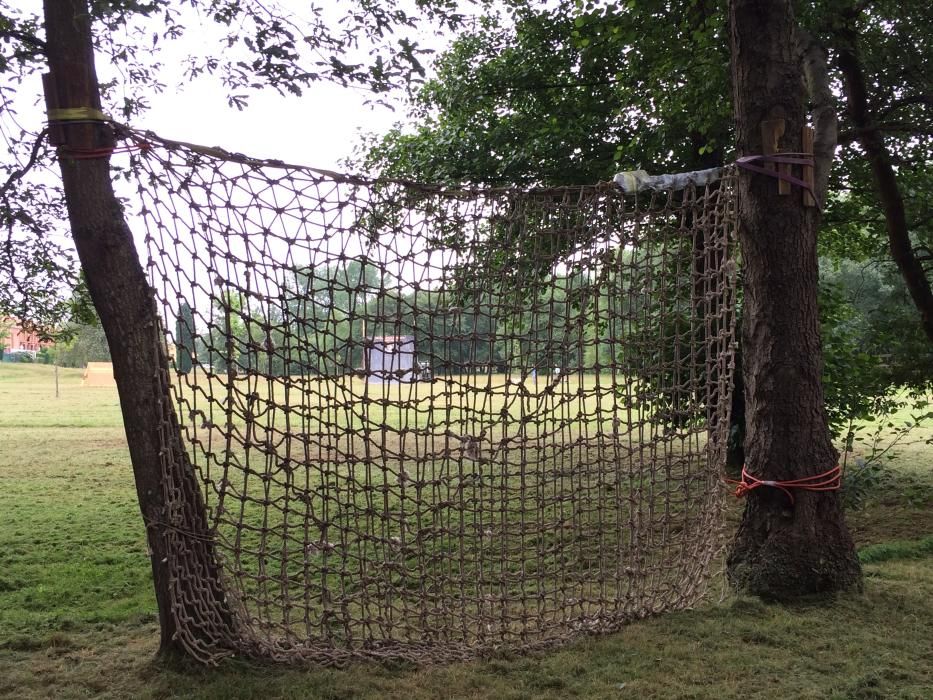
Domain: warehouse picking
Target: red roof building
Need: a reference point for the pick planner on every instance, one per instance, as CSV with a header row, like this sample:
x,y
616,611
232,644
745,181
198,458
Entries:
x,y
15,339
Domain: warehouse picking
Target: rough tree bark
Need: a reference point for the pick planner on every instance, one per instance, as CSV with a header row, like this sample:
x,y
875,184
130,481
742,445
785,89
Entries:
x,y
783,550
127,310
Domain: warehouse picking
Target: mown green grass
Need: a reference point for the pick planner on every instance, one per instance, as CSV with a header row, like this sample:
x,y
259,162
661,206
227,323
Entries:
x,y
72,549
77,611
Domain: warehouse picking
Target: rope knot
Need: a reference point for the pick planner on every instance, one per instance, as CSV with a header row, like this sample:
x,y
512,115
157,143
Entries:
x,y
830,480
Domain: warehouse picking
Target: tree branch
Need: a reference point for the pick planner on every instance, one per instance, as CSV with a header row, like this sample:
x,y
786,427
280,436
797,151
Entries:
x,y
851,135
35,42
889,194
19,173
923,99
823,111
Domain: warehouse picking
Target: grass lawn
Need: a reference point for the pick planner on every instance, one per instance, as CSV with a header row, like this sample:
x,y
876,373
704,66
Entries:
x,y
77,611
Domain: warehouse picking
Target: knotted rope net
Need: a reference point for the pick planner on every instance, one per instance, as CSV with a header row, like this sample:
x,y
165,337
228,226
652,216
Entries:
x,y
430,423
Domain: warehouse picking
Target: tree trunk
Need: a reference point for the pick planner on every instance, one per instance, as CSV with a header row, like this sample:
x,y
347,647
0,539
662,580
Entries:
x,y
889,194
784,549
169,498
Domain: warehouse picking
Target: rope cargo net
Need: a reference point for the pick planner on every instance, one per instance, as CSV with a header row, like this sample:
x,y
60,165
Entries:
x,y
433,423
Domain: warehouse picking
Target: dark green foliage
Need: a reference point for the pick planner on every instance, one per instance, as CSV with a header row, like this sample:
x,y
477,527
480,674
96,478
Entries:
x,y
887,551
550,96
567,95
86,344
864,480
876,360
260,46
876,364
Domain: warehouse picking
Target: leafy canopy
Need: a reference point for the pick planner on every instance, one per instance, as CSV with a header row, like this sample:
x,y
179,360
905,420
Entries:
x,y
374,45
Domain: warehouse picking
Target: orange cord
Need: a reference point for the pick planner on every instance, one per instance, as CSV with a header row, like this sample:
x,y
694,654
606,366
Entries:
x,y
89,153
132,143
827,481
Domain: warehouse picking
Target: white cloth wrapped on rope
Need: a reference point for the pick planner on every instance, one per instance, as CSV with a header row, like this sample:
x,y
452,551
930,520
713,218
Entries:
x,y
632,181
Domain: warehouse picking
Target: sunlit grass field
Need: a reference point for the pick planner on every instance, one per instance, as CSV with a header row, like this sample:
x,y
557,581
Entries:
x,y
77,611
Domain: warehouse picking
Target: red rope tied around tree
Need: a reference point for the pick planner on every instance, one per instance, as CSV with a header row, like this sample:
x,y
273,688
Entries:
x,y
60,117
87,115
830,480
88,153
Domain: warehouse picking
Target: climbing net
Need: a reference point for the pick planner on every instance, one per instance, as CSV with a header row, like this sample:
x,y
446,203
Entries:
x,y
426,422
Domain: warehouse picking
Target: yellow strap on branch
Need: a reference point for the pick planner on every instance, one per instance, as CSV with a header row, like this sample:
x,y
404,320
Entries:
x,y
72,114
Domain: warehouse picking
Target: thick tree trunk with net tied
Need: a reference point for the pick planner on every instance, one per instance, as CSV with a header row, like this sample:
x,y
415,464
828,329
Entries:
x,y
783,549
124,302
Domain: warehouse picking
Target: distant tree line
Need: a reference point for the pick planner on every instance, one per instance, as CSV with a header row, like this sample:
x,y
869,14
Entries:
x,y
324,319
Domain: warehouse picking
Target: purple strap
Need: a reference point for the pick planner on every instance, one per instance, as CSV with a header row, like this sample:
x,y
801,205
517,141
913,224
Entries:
x,y
749,163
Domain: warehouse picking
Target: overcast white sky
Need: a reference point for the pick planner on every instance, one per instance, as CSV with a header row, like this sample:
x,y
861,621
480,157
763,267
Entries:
x,y
320,128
